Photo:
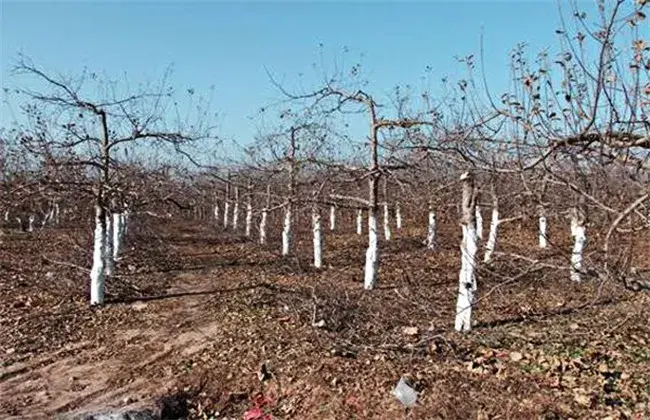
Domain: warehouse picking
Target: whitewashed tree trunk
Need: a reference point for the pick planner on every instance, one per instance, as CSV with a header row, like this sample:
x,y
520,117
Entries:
x,y
6,215
265,213
543,242
263,226
479,222
318,241
372,253
125,222
286,231
97,273
249,218
108,248
360,222
387,233
57,213
492,235
30,228
226,210
431,233
579,233
398,216
118,233
467,278
216,212
332,218
580,239
235,211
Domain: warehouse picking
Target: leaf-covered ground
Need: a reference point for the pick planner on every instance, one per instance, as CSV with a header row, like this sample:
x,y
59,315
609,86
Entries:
x,y
228,329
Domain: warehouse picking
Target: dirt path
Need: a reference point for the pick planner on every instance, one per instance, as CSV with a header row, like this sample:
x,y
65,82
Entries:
x,y
127,368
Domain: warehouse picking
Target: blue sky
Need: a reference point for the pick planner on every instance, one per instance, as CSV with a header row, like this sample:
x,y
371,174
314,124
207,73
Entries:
x,y
228,45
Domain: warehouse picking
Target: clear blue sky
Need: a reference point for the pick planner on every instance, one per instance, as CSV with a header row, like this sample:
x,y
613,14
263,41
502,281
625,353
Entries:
x,y
227,45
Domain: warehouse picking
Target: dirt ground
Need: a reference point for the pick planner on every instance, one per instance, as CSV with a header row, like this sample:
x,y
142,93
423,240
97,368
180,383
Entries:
x,y
227,328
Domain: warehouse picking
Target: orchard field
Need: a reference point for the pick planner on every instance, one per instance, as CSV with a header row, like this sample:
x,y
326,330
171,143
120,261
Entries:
x,y
451,252
200,311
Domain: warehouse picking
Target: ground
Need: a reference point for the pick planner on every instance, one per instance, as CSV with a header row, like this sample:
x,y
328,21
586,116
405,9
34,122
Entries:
x,y
227,328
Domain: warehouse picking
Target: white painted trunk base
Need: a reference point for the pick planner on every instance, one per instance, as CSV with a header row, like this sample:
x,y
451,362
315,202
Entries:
x,y
360,222
479,222
286,232
492,236
372,253
97,274
235,216
387,232
32,218
543,243
332,218
467,279
431,232
226,208
318,241
108,248
398,216
216,213
263,227
118,232
249,219
580,239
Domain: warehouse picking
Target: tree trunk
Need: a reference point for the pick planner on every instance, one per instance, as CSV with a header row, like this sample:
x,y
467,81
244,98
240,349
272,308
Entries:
x,y
318,243
332,218
494,225
97,274
118,233
286,230
492,236
579,233
372,253
249,218
398,216
360,222
543,236
108,248
387,233
467,277
226,210
235,211
263,227
431,233
479,222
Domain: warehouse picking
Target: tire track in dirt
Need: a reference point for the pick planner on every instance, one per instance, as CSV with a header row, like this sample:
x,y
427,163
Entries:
x,y
127,370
